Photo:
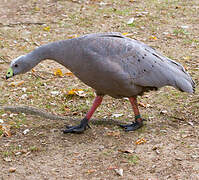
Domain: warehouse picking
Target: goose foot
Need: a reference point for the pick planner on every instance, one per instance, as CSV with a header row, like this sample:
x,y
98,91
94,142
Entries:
x,y
132,127
79,128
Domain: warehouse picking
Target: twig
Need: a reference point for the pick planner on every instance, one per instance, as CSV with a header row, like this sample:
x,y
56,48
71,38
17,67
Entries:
x,y
38,76
41,113
45,72
1,59
180,119
21,23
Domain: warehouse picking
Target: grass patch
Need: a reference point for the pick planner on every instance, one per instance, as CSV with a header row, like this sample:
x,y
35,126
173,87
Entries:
x,y
7,153
132,159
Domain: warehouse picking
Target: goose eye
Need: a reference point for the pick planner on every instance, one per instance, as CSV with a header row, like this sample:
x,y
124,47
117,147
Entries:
x,y
16,65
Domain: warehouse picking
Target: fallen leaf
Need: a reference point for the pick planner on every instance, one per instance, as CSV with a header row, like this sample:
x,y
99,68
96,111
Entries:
x,y
155,148
18,153
140,14
140,141
15,84
72,36
55,93
153,38
69,74
124,34
130,21
6,130
78,92
58,72
190,123
119,171
112,167
163,112
116,115
26,131
113,133
144,105
187,58
90,171
47,28
72,91
7,159
37,8
24,96
12,170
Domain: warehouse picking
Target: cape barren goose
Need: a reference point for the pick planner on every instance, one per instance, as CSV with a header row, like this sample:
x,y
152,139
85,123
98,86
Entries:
x,y
112,65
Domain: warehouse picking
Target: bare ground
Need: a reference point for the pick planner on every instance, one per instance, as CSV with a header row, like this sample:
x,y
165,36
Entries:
x,y
171,150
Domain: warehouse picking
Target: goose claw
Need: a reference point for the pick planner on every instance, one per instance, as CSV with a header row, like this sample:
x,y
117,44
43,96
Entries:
x,y
132,127
79,128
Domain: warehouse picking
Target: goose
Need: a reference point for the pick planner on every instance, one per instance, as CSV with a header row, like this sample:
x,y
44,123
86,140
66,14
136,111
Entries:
x,y
111,64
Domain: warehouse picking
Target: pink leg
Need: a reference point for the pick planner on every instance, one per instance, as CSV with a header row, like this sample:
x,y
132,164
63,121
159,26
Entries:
x,y
96,103
138,120
136,111
84,122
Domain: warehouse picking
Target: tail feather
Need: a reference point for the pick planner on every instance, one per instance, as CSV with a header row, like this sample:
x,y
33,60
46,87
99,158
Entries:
x,y
183,80
185,86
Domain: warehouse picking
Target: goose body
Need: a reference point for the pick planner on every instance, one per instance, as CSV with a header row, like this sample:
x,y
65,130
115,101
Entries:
x,y
111,64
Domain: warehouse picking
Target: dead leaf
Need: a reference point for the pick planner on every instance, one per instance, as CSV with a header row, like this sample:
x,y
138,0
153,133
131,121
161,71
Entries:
x,y
140,141
72,36
143,105
187,58
90,171
140,14
153,38
58,72
130,21
36,8
7,159
117,115
26,131
111,167
15,84
12,169
125,33
69,74
78,92
163,112
6,130
47,28
113,133
155,148
119,171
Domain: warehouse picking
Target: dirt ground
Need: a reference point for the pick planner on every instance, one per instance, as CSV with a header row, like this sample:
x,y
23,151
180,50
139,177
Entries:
x,y
37,149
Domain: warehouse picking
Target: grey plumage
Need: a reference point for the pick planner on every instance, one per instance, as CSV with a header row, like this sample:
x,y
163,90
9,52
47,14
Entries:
x,y
111,64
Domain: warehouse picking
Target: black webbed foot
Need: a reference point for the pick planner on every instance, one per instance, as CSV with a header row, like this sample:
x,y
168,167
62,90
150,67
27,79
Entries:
x,y
132,127
79,128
